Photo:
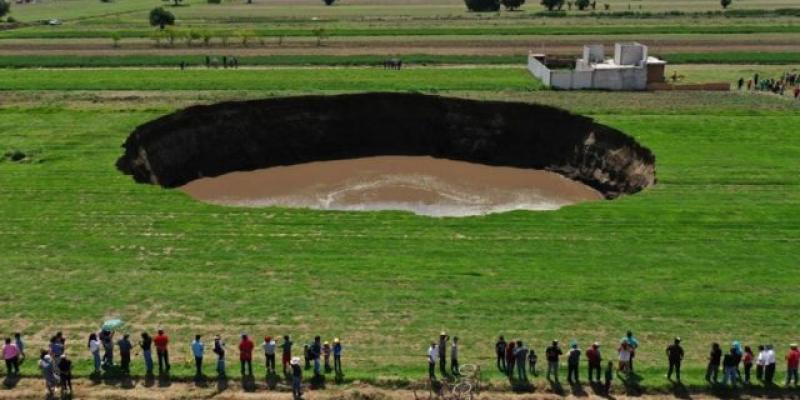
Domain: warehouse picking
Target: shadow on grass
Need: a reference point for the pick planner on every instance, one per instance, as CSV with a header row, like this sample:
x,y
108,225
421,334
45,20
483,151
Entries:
x,y
11,381
249,383
631,383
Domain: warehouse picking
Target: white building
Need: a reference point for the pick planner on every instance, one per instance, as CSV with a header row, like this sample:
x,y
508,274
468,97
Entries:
x,y
630,69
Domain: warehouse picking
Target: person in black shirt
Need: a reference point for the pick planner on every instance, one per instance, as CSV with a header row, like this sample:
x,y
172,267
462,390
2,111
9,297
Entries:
x,y
675,356
147,352
714,359
553,353
500,349
65,369
443,339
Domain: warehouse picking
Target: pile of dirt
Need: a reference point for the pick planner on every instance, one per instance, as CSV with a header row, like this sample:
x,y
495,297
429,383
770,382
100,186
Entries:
x,y
212,140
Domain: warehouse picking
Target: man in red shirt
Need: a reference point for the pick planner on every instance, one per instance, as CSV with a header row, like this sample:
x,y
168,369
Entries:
x,y
594,359
246,354
162,341
792,361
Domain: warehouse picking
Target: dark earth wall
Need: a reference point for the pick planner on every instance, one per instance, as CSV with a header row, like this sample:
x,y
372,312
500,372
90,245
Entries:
x,y
204,141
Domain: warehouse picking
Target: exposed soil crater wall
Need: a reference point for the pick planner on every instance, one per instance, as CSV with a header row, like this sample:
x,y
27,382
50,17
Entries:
x,y
205,141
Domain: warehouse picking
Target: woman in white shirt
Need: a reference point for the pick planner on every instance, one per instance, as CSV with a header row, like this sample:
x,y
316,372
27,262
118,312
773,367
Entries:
x,y
761,363
94,348
624,357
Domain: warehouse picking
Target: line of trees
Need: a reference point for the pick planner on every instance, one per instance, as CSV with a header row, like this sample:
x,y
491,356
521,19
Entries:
x,y
5,8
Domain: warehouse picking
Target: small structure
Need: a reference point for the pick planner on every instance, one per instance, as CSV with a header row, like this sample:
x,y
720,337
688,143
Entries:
x,y
630,69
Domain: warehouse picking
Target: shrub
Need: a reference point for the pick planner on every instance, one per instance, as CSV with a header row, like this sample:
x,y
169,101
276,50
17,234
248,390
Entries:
x,y
512,4
483,5
582,4
725,3
553,4
329,2
11,20
116,37
160,17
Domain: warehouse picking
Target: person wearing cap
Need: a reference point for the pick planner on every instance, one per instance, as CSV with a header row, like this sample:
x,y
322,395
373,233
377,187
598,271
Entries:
x,y
198,348
246,355
594,360
326,354
553,353
286,353
633,344
675,356
443,339
521,355
500,350
297,378
454,357
162,351
65,373
714,359
769,371
792,362
125,347
573,361
269,353
337,356
433,353
219,350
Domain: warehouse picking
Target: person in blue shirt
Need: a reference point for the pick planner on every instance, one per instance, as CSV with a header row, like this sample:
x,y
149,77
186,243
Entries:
x,y
337,356
20,346
197,350
633,344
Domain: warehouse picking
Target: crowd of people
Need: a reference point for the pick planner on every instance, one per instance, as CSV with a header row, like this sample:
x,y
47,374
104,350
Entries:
x,y
56,366
788,82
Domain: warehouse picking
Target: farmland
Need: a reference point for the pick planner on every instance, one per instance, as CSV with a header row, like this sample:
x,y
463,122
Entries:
x,y
708,253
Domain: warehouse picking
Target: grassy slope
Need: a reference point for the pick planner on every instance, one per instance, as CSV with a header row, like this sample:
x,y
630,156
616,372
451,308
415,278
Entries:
x,y
688,257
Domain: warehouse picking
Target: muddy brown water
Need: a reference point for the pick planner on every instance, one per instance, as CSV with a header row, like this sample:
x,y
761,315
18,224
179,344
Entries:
x,y
422,185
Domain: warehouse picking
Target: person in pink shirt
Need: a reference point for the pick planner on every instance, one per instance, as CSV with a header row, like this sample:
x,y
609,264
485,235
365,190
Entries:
x,y
792,362
11,356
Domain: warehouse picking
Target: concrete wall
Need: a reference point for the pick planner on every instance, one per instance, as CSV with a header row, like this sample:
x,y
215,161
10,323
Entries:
x,y
581,78
539,70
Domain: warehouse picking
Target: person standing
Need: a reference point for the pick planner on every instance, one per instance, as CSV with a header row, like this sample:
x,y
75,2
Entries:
x,y
147,353
125,347
792,362
747,360
162,351
337,356
510,359
769,371
454,357
633,345
433,353
553,353
94,348
326,355
107,340
624,352
219,350
532,359
48,372
11,357
20,346
594,360
443,339
198,348
316,353
57,347
714,359
573,362
297,378
500,350
521,355
729,367
65,373
609,376
269,354
761,362
286,356
675,356
246,355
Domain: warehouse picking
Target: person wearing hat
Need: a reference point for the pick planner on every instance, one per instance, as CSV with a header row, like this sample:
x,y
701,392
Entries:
x,y
125,347
219,350
297,378
269,353
594,359
573,361
246,355
792,362
443,339
65,373
675,356
553,353
454,357
337,356
198,348
433,353
326,354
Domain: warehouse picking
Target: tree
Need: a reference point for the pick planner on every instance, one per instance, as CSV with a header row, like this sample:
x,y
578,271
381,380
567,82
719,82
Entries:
x,y
512,5
553,4
160,17
725,3
329,2
5,7
483,5
582,4
321,34
116,37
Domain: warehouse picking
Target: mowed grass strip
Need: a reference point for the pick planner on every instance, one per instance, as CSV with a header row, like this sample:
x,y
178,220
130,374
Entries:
x,y
271,79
